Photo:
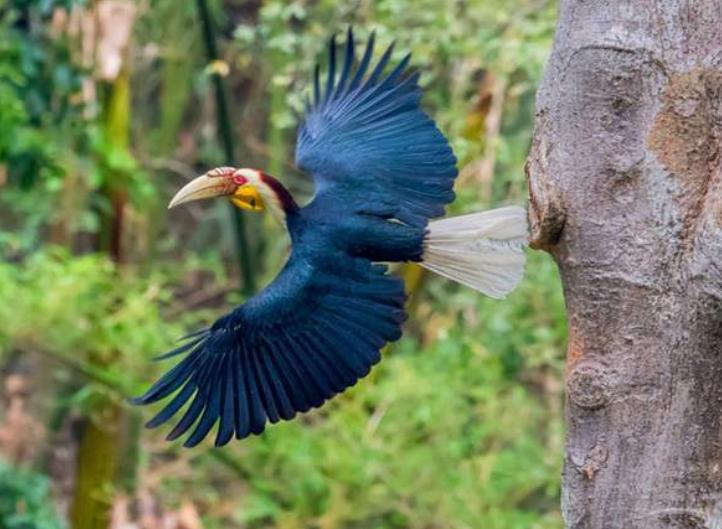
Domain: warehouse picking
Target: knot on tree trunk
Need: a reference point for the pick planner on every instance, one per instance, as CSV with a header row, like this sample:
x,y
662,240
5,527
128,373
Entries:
x,y
588,385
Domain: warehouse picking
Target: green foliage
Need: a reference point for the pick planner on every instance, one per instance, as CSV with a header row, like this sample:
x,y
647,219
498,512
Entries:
x,y
96,318
38,85
25,500
50,132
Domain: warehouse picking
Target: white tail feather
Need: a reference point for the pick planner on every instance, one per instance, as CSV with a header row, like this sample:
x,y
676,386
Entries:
x,y
484,251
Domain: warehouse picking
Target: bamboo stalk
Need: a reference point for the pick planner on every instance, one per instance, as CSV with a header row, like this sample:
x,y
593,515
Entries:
x,y
101,443
225,135
98,459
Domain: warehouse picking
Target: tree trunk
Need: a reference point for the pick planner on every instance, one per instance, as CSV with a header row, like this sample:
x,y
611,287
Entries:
x,y
625,181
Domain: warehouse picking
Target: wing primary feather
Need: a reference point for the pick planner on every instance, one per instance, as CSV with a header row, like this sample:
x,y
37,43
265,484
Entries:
x,y
199,401
285,408
380,66
323,377
262,382
173,406
331,79
347,63
317,84
256,415
169,382
365,61
193,334
303,359
241,407
189,417
300,382
314,390
212,407
179,350
289,378
396,72
226,426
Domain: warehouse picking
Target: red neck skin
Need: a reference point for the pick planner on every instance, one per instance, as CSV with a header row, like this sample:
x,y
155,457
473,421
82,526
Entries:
x,y
284,197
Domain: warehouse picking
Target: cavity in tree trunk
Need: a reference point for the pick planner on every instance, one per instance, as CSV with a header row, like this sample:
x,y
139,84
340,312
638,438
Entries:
x,y
625,181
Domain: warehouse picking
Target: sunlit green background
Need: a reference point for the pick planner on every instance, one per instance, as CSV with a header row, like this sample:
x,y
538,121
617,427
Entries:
x,y
459,427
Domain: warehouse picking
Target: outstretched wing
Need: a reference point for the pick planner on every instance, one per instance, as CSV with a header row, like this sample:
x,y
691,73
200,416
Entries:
x,y
308,336
366,138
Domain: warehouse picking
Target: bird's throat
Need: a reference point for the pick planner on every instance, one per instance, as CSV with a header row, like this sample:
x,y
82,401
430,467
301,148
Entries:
x,y
284,197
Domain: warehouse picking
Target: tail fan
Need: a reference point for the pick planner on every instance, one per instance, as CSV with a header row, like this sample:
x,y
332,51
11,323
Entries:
x,y
484,251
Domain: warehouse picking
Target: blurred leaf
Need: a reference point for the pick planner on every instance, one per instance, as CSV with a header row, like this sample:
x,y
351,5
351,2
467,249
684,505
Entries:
x,y
25,501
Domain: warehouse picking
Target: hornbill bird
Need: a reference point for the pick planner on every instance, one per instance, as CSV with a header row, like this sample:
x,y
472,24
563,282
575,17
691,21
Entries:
x,y
381,169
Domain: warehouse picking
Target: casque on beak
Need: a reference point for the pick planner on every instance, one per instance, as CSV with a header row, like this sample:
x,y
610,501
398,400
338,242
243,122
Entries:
x,y
223,181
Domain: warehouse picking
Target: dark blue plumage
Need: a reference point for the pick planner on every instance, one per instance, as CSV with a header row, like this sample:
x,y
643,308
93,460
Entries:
x,y
367,140
381,170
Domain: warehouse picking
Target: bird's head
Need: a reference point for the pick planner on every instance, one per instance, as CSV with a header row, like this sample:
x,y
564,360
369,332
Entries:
x,y
248,189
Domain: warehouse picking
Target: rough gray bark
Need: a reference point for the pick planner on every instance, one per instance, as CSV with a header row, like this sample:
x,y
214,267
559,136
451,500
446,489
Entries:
x,y
625,180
